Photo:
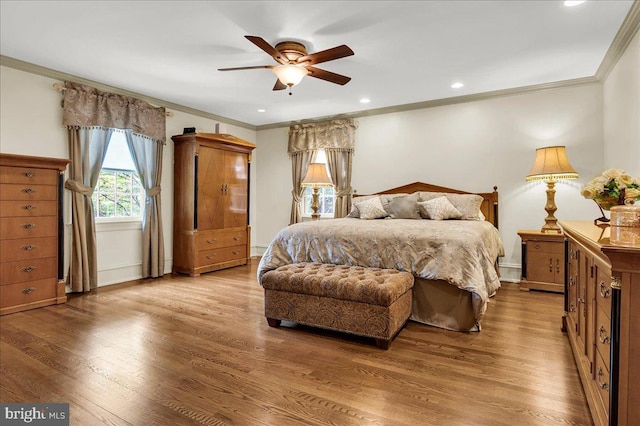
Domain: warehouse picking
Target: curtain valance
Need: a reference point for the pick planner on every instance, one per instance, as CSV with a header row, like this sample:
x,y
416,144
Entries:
x,y
334,134
86,106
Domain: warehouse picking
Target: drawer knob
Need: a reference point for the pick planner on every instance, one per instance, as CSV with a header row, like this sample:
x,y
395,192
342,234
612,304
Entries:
x,y
572,307
28,207
235,252
28,190
603,385
211,256
236,238
28,247
603,336
536,245
29,174
28,290
604,290
211,241
28,225
28,268
572,281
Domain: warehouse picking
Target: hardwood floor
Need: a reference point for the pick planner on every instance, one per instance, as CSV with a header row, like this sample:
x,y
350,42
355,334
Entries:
x,y
181,351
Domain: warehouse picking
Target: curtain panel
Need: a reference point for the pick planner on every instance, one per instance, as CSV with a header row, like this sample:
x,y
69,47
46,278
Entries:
x,y
334,134
86,106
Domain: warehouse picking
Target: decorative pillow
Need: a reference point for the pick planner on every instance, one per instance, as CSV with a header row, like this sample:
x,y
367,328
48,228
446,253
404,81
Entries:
x,y
405,207
467,204
354,209
371,208
439,209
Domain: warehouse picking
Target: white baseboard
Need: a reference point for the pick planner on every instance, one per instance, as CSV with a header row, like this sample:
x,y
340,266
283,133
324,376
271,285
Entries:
x,y
510,272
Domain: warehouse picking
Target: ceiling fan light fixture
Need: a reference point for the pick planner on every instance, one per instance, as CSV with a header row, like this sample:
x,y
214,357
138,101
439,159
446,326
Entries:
x,y
289,74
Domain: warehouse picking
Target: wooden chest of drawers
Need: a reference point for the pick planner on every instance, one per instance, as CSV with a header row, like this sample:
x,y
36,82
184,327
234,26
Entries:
x,y
30,232
602,321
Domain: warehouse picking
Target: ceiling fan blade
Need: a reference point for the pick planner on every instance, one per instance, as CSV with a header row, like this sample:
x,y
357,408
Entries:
x,y
328,76
326,55
247,68
279,85
262,44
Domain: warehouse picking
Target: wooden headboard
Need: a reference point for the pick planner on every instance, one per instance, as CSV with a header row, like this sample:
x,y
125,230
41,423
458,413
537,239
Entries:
x,y
489,206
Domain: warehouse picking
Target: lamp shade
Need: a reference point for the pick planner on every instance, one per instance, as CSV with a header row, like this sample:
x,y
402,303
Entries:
x,y
317,176
551,164
290,75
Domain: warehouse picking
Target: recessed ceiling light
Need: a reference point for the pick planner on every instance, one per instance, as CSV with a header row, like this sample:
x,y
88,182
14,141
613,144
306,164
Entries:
x,y
457,85
262,110
571,3
365,100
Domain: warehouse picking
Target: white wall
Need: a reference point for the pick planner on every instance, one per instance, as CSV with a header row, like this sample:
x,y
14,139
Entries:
x,y
470,146
622,112
31,124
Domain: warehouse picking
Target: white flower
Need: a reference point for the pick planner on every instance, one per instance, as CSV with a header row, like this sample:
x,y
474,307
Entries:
x,y
612,173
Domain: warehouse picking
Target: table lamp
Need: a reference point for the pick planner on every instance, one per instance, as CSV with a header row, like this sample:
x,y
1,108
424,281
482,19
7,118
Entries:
x,y
315,178
551,164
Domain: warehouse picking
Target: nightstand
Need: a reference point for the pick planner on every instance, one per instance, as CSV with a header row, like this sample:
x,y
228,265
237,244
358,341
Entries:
x,y
542,261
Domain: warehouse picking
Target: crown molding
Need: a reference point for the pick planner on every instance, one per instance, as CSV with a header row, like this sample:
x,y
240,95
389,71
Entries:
x,y
62,76
621,41
444,101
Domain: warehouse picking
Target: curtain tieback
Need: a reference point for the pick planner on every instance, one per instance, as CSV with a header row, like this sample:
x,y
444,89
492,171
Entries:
x,y
152,192
344,192
76,186
297,197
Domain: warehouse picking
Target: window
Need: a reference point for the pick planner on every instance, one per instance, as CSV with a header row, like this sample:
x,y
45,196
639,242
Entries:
x,y
119,193
326,195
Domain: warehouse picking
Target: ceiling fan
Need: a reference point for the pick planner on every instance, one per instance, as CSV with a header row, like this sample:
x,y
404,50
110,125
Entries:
x,y
295,63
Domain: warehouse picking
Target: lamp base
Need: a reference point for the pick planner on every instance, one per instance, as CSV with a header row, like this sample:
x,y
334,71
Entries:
x,y
314,204
550,222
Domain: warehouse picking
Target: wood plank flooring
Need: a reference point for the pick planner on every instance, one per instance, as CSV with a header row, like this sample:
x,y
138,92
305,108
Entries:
x,y
198,351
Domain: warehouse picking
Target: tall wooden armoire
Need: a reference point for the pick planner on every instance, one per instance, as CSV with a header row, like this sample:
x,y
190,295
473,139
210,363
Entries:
x,y
211,228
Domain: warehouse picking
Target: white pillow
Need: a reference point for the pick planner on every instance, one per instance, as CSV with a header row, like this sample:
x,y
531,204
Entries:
x,y
439,209
371,208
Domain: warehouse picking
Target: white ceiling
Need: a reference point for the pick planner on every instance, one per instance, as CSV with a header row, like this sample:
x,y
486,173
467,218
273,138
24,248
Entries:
x,y
405,51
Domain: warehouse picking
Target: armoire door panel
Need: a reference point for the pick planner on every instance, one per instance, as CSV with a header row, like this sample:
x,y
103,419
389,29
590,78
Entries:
x,y
210,188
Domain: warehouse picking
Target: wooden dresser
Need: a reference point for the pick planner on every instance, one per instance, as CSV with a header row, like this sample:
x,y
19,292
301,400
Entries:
x,y
211,202
31,232
542,261
602,321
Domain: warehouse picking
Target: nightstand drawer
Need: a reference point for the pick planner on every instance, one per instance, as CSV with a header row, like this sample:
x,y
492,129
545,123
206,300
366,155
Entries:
x,y
534,246
27,292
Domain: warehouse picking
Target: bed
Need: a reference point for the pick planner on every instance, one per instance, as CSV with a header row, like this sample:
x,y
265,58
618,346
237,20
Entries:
x,y
454,262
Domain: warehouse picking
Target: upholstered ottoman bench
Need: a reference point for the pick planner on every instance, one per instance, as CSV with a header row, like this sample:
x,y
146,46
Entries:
x,y
368,302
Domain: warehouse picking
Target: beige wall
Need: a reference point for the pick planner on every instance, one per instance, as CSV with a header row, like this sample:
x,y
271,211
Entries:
x,y
622,112
31,124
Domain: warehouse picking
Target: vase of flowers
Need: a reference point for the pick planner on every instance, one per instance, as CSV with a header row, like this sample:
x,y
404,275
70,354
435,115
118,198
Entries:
x,y
612,188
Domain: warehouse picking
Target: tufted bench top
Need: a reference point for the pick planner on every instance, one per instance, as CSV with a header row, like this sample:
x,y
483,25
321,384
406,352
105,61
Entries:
x,y
355,283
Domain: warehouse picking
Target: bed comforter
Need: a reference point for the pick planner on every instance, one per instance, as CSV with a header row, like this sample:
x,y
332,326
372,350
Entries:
x,y
461,252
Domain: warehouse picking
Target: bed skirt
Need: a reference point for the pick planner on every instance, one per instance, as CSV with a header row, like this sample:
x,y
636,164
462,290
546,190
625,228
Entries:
x,y
437,303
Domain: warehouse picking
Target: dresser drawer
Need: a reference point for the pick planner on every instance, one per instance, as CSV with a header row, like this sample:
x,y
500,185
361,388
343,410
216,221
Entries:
x,y
534,246
211,239
28,192
28,227
29,292
28,248
603,336
28,175
28,270
225,254
15,208
603,291
602,381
